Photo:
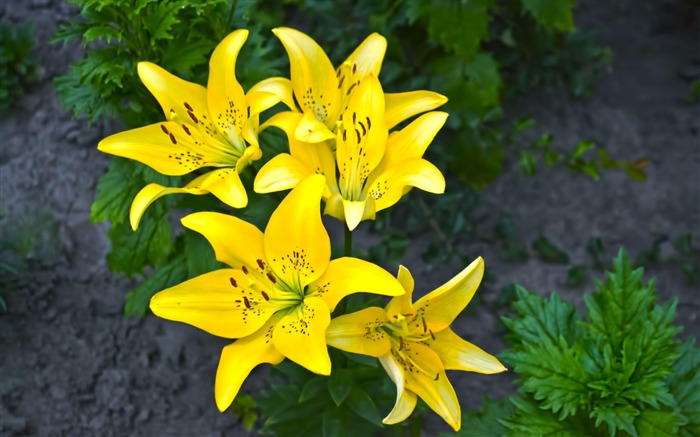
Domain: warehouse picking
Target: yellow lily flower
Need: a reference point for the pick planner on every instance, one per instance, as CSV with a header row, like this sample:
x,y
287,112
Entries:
x,y
415,344
205,127
323,93
374,168
279,292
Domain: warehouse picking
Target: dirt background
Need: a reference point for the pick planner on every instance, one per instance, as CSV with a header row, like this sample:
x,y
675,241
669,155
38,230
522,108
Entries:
x,y
71,364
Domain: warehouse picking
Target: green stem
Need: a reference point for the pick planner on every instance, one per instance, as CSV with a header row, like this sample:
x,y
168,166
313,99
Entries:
x,y
348,241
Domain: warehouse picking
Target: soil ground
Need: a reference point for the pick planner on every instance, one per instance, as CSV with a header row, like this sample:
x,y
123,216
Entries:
x,y
72,365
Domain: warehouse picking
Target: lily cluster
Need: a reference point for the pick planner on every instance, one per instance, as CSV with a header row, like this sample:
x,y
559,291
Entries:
x,y
276,297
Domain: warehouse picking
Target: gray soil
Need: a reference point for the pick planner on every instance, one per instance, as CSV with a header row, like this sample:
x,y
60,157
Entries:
x,y
71,364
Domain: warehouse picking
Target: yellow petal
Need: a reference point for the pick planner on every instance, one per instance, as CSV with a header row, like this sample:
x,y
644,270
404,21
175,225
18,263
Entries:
x,y
458,354
316,156
225,97
226,235
354,212
165,147
361,139
335,206
386,188
226,185
313,78
221,302
427,379
403,304
259,101
297,245
441,306
310,130
282,172
401,106
285,120
301,335
357,333
347,275
186,100
367,58
413,140
279,86
405,400
239,358
151,192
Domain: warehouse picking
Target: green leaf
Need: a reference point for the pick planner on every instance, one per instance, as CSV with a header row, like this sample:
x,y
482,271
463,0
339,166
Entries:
x,y
483,85
582,148
131,251
684,384
485,422
160,19
332,425
576,276
362,404
548,252
546,353
458,26
340,384
200,256
552,14
527,163
138,299
539,318
595,248
661,423
313,388
105,31
115,192
529,420
617,417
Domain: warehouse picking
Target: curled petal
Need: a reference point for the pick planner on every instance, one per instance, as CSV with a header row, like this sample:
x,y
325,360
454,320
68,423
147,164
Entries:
x,y
151,192
226,185
347,275
458,354
401,106
279,86
427,379
300,335
221,302
405,400
310,130
413,140
297,245
313,78
386,188
403,304
358,333
441,306
225,233
239,358
367,58
225,97
282,172
176,96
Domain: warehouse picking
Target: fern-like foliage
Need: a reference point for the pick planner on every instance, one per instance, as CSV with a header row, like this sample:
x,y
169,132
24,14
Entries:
x,y
617,371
